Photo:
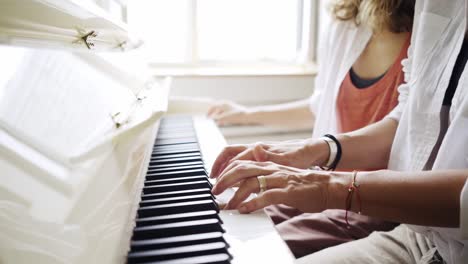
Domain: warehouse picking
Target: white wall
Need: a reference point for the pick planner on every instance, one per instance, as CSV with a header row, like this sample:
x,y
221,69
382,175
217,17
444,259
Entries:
x,y
249,90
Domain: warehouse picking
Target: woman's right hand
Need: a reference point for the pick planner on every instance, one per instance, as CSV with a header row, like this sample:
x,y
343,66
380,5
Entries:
x,y
229,113
306,190
300,154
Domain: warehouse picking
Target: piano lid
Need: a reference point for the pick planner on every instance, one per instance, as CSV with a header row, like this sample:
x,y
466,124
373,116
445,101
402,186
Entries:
x,y
64,24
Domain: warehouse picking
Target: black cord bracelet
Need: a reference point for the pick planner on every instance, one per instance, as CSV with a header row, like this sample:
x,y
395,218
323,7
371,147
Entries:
x,y
338,152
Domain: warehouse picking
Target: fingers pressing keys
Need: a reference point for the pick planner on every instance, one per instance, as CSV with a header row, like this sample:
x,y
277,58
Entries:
x,y
177,221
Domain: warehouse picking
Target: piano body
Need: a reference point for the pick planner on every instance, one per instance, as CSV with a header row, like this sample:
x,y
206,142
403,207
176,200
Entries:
x,y
91,171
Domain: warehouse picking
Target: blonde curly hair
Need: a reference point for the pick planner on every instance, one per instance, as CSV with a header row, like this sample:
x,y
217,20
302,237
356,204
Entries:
x,y
394,15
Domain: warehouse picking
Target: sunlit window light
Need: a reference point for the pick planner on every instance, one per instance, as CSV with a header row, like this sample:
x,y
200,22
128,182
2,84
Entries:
x,y
197,31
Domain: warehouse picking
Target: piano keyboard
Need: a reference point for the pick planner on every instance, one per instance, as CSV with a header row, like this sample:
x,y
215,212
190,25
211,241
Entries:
x,y
178,219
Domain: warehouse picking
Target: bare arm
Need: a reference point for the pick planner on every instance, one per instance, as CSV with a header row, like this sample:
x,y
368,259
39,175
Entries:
x,y
430,198
295,114
367,148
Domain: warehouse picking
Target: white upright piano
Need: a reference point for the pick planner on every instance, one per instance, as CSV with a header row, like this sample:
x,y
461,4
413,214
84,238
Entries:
x,y
91,168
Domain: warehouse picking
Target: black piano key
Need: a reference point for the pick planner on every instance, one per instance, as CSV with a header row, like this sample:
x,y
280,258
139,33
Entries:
x,y
170,151
177,199
177,186
177,252
176,160
205,259
160,151
165,219
179,155
177,229
167,151
177,173
182,165
177,241
175,152
175,179
170,141
180,168
157,149
166,178
176,140
176,208
183,145
175,193
182,137
161,160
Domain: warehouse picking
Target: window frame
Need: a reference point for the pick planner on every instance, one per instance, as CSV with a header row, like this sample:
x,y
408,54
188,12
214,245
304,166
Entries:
x,y
305,62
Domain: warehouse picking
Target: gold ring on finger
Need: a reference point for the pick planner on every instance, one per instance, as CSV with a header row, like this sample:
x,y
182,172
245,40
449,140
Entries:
x,y
262,182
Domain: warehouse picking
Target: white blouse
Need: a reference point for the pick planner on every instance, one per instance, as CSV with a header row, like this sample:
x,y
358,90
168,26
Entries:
x,y
438,33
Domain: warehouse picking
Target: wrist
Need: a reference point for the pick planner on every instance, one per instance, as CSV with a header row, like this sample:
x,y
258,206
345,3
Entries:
x,y
337,190
318,152
250,116
255,115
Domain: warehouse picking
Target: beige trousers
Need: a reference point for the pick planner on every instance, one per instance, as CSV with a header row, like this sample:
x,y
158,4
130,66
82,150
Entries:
x,y
401,245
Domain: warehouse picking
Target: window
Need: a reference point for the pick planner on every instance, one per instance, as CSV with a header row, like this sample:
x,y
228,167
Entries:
x,y
207,32
247,30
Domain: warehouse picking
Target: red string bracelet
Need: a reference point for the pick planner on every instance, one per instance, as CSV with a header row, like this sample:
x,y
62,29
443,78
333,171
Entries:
x,y
354,187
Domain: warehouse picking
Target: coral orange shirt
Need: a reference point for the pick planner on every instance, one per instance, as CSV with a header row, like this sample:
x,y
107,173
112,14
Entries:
x,y
359,107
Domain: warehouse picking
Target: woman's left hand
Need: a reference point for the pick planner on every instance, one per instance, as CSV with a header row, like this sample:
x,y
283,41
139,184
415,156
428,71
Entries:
x,y
306,190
